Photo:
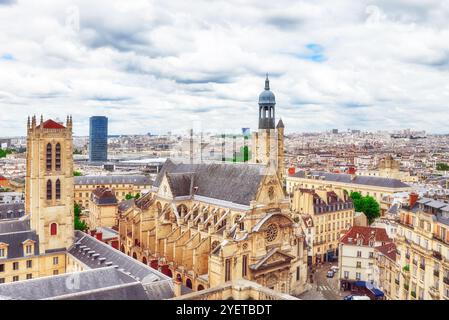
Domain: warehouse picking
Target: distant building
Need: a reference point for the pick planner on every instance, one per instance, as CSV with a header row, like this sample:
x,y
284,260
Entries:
x,y
120,184
376,187
335,131
98,139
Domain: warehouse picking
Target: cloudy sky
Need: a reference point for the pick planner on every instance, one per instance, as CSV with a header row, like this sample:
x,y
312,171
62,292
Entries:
x,y
155,66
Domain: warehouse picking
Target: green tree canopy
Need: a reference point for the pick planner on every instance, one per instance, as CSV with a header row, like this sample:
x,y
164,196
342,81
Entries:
x,y
442,166
77,174
79,224
366,204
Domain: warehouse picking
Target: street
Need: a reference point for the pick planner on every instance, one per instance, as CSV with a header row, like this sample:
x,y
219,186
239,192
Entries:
x,y
324,288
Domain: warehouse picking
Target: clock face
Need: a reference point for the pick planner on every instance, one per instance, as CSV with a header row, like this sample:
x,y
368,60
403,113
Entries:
x,y
271,233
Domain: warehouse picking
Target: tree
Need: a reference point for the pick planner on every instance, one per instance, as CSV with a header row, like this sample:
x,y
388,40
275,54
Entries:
x,y
442,167
77,174
5,152
79,224
366,204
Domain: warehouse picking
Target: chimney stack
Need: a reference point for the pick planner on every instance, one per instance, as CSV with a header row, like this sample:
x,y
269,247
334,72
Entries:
x,y
413,198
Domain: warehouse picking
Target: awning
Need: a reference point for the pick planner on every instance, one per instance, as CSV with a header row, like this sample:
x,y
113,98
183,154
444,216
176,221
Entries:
x,y
377,292
360,283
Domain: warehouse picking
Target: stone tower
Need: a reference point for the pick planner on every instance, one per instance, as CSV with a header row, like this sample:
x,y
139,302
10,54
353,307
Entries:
x,y
266,141
49,186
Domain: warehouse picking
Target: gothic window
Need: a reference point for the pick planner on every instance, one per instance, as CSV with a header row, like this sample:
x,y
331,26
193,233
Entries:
x,y
228,270
58,189
271,233
244,265
53,229
49,191
58,156
48,157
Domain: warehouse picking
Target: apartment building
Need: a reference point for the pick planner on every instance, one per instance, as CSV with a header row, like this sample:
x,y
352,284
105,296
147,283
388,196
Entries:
x,y
325,215
356,255
423,249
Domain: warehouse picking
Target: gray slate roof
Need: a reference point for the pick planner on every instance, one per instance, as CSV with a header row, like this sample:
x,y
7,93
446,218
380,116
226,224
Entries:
x,y
113,179
125,205
14,233
236,183
15,242
362,180
18,225
136,268
99,284
12,211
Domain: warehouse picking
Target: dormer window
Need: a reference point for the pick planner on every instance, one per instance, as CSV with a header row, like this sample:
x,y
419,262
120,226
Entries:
x,y
28,247
3,250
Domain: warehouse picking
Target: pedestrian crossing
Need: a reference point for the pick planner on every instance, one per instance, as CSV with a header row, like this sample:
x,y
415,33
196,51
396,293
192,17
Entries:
x,y
324,288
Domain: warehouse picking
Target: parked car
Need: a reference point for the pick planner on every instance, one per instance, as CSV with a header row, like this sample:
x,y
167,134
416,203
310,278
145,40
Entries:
x,y
352,297
330,274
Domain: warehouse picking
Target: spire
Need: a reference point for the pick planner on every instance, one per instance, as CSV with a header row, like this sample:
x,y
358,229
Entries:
x,y
267,83
280,124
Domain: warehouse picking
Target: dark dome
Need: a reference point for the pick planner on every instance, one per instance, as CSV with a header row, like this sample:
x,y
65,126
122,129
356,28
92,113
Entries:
x,y
267,97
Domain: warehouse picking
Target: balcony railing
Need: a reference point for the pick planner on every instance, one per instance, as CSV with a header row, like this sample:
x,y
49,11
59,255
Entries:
x,y
436,273
422,266
446,280
396,281
437,255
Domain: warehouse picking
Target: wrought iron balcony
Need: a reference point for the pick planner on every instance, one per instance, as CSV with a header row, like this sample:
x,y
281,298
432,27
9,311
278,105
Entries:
x,y
436,273
437,255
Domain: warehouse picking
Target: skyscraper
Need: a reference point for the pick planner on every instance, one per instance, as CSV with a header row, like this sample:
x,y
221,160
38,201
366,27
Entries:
x,y
98,139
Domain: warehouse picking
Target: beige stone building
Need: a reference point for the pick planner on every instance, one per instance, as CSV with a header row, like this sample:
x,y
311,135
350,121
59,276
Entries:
x,y
102,209
120,184
325,215
34,245
207,224
42,257
376,187
236,290
422,242
389,168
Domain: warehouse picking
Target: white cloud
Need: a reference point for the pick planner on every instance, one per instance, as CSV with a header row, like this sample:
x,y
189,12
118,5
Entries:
x,y
155,66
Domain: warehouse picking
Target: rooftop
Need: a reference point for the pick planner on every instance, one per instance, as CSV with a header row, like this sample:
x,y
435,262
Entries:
x,y
348,178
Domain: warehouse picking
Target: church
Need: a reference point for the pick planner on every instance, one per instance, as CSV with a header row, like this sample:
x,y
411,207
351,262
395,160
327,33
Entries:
x,y
207,224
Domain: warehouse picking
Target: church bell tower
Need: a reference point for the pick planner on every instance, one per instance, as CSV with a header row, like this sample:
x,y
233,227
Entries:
x,y
268,141
49,185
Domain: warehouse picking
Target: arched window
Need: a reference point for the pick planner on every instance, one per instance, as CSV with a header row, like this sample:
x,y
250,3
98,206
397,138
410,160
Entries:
x,y
58,156
189,283
48,157
53,229
49,191
58,189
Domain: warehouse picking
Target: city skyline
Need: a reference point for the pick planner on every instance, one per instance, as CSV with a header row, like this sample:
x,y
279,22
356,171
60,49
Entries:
x,y
157,67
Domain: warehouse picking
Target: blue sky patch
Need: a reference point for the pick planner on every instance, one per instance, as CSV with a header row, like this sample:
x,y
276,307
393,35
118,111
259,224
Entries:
x,y
314,52
7,56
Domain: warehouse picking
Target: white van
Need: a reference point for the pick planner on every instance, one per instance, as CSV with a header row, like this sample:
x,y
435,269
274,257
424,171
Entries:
x,y
360,298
